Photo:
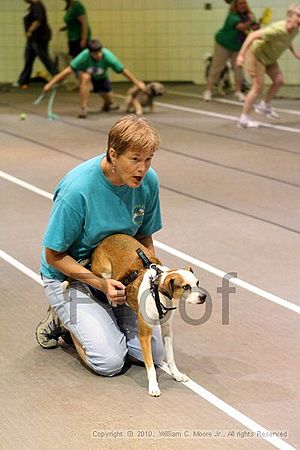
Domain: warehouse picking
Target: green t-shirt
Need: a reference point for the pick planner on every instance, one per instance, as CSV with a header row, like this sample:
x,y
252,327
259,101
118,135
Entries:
x,y
275,39
98,69
73,25
228,36
87,208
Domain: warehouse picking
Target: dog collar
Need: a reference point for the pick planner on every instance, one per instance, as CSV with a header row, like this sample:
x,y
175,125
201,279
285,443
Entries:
x,y
161,309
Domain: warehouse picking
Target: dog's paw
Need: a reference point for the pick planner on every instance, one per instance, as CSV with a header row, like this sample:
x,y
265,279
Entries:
x,y
65,285
154,390
178,376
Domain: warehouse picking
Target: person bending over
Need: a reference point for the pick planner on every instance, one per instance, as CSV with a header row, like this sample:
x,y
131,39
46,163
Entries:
x,y
262,49
91,66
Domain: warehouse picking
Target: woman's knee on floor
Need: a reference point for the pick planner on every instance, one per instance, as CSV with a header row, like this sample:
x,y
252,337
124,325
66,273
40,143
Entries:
x,y
106,358
106,365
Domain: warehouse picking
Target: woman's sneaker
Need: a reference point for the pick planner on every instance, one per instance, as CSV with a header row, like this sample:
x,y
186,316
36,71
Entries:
x,y
239,96
263,108
49,330
110,107
82,114
207,95
245,122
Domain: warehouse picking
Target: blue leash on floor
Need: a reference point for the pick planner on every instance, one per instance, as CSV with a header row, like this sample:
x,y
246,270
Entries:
x,y
50,113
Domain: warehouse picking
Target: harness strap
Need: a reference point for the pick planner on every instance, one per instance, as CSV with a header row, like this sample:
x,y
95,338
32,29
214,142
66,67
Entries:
x,y
131,277
146,261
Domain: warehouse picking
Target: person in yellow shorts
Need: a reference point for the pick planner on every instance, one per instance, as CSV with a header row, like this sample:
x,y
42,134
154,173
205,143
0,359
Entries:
x,y
263,48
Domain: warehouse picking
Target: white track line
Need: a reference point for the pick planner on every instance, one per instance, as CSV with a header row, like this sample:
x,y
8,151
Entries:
x,y
25,185
196,262
225,116
18,265
237,281
202,112
229,102
195,387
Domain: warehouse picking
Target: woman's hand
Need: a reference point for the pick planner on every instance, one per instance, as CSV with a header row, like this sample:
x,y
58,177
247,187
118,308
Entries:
x,y
240,60
141,85
114,291
47,87
83,43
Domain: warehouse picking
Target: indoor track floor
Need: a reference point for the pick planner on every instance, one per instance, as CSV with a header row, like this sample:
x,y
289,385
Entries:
x,y
230,203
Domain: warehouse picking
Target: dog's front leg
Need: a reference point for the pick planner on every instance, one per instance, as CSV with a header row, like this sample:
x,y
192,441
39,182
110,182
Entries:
x,y
145,334
151,106
138,107
167,334
128,103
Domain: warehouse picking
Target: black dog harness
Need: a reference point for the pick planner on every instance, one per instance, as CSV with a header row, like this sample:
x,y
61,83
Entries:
x,y
153,283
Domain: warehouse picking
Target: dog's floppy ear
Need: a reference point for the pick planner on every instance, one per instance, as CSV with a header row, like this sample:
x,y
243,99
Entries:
x,y
189,269
166,288
149,88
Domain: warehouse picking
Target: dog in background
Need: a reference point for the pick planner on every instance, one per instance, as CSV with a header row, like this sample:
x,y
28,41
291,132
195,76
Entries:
x,y
225,82
137,99
117,257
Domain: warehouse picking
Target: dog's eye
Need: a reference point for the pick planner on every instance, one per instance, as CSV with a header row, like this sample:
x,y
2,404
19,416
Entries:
x,y
197,284
186,287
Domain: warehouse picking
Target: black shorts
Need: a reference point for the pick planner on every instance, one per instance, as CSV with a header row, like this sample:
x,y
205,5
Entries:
x,y
101,85
74,48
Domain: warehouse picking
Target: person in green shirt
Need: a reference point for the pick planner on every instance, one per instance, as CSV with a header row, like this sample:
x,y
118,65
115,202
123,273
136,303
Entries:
x,y
228,41
77,27
263,48
91,66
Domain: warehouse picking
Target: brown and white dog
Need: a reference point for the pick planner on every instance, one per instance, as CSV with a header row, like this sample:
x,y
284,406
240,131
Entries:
x,y
116,257
137,99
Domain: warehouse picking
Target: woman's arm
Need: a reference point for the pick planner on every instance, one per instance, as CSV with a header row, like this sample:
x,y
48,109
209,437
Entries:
x,y
134,80
63,262
57,78
147,241
246,26
34,26
84,31
248,41
294,52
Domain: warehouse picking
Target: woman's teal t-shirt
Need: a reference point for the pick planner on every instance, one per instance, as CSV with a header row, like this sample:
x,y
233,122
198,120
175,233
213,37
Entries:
x,y
88,208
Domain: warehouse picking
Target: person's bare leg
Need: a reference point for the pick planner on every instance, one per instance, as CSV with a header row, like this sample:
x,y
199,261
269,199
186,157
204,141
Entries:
x,y
276,76
108,101
79,348
84,92
255,91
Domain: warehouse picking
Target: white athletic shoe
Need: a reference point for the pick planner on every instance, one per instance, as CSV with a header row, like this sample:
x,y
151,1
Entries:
x,y
263,108
239,96
245,122
207,95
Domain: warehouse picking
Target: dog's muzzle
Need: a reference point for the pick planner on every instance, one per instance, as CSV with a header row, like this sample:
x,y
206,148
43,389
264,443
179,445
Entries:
x,y
202,297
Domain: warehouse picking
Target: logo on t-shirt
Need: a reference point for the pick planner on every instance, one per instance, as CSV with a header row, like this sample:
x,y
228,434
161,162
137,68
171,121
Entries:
x,y
138,214
95,70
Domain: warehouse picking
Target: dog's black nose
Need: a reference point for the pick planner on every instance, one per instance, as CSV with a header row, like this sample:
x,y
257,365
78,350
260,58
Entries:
x,y
202,297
